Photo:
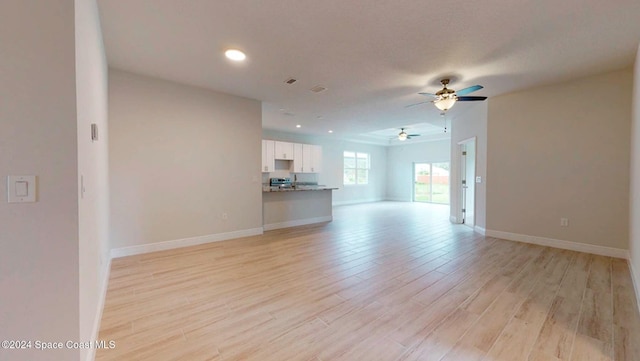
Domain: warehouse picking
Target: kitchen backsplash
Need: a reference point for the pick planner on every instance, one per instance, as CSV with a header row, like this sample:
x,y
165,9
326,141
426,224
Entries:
x,y
301,177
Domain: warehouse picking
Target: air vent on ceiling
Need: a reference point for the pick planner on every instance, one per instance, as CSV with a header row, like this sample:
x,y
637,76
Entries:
x,y
318,89
291,81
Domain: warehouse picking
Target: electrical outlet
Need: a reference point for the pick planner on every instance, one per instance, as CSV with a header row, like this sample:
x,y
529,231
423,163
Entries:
x,y
564,222
225,216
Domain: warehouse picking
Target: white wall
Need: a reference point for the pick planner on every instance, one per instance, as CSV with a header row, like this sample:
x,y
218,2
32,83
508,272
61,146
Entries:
x,y
179,158
562,151
634,217
472,123
400,160
93,206
38,133
332,166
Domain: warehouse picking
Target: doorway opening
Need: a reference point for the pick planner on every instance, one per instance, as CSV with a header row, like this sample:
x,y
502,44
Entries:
x,y
431,182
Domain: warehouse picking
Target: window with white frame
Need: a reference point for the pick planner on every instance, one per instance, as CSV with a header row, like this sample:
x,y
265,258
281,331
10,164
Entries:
x,y
356,168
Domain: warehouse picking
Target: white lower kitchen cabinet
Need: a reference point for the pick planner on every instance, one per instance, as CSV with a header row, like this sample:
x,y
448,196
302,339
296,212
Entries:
x,y
296,208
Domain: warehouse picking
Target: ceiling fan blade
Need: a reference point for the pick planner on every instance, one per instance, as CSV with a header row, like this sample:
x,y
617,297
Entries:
x,y
413,135
471,99
428,94
411,105
468,90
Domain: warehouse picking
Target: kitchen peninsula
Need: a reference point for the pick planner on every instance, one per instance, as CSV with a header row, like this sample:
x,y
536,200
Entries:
x,y
290,206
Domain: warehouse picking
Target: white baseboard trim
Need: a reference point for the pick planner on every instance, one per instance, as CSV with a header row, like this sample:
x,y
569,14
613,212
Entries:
x,y
557,243
396,199
91,354
297,222
185,242
346,203
634,280
480,230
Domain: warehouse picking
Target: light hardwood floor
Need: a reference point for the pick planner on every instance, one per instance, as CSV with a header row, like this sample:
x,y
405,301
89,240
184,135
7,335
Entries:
x,y
385,281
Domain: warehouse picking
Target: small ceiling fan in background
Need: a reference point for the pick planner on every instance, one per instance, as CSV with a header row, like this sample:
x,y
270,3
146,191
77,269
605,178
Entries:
x,y
402,136
447,98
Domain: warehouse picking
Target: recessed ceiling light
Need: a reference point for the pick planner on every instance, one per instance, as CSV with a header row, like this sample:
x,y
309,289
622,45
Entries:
x,y
298,126
235,55
330,131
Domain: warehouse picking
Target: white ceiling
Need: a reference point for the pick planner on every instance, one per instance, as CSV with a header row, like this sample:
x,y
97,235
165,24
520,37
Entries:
x,y
372,56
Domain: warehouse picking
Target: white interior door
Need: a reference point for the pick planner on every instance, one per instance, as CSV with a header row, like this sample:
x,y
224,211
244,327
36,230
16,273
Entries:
x,y
470,204
462,153
467,184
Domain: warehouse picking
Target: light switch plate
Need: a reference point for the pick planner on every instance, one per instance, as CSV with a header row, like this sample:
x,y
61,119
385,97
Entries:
x,y
478,179
21,188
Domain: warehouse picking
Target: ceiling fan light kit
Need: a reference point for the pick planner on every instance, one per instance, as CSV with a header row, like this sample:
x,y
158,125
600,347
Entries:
x,y
445,102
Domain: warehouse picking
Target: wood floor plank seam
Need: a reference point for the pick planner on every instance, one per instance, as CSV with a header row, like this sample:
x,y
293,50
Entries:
x,y
613,328
579,314
550,304
513,316
486,310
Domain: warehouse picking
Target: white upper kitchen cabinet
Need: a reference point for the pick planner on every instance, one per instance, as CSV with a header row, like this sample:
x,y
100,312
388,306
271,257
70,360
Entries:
x,y
284,150
311,158
298,158
316,159
307,158
268,155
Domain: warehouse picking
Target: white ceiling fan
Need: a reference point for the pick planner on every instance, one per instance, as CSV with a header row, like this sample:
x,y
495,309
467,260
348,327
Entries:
x,y
402,136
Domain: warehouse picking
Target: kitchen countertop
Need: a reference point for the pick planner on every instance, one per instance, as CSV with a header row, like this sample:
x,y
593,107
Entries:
x,y
297,188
